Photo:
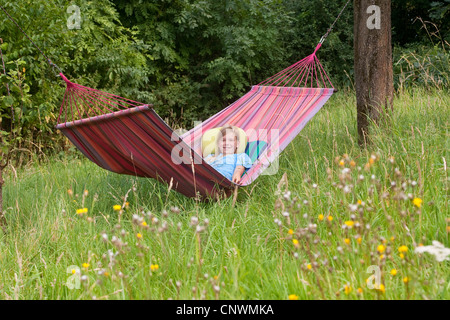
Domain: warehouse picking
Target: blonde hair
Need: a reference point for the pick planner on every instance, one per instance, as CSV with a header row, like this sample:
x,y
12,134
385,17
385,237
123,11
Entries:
x,y
222,133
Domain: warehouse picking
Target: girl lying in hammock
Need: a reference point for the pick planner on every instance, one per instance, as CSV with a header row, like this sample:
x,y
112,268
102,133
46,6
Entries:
x,y
226,160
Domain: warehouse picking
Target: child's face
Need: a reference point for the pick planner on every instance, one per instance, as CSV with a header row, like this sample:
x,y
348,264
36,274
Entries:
x,y
228,144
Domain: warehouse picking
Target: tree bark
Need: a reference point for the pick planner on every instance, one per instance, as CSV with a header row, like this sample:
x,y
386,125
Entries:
x,y
373,63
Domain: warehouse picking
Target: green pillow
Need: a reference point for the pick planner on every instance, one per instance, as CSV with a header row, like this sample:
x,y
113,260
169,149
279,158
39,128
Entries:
x,y
255,148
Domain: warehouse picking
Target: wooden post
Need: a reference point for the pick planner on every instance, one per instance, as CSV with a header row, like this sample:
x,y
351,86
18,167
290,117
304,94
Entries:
x,y
373,62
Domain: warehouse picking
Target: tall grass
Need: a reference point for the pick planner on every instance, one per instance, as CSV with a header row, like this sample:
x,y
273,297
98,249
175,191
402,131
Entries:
x,y
277,242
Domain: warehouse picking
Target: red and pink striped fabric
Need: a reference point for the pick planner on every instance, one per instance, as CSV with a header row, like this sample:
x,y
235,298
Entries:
x,y
275,115
138,142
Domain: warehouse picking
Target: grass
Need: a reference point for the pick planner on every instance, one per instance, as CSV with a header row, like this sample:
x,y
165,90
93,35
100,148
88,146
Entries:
x,y
277,242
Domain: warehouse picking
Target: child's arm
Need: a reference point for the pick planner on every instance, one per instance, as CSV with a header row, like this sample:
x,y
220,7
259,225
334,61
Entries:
x,y
237,174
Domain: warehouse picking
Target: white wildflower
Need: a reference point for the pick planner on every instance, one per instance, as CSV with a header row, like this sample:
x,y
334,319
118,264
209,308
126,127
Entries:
x,y
440,252
194,221
287,195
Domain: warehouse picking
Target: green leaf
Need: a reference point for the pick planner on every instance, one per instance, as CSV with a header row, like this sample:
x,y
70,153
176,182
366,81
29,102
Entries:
x,y
8,101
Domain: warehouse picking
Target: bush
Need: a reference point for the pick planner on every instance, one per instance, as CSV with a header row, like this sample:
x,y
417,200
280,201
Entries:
x,y
421,66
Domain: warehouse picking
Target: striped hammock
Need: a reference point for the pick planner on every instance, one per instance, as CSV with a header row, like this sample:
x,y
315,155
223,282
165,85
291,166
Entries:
x,y
129,137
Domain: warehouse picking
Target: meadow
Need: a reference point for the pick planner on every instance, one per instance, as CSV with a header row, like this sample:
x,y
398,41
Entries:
x,y
335,221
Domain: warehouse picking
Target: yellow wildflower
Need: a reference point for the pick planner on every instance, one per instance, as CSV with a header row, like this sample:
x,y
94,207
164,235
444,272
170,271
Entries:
x,y
349,223
381,248
381,256
402,256
293,297
371,160
330,218
85,265
291,232
81,211
359,290
359,240
417,202
117,207
359,202
309,266
74,271
321,217
406,279
106,273
139,236
382,288
347,241
341,163
393,272
403,249
154,267
70,192
352,163
392,238
347,289
144,224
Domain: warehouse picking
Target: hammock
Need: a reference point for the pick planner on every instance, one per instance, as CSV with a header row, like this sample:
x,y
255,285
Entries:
x,y
128,137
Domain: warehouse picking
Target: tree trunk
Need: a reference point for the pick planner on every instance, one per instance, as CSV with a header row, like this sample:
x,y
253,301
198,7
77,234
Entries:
x,y
373,62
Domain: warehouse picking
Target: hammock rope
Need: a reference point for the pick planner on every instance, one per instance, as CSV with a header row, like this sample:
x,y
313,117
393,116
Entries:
x,y
304,73
85,102
334,22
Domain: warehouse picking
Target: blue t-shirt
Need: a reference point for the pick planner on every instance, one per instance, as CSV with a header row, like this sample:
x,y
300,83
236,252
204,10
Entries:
x,y
227,164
